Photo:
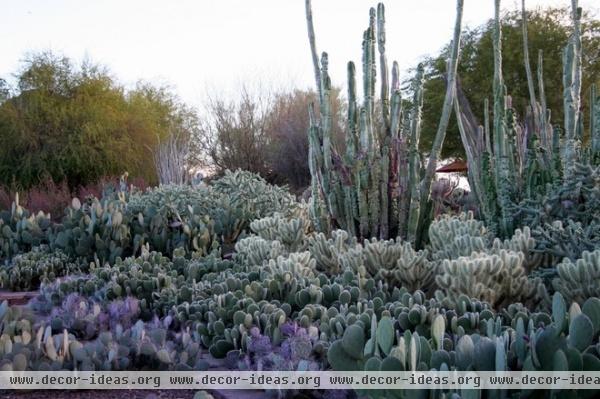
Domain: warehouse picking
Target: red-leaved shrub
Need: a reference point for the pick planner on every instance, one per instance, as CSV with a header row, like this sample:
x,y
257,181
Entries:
x,y
53,198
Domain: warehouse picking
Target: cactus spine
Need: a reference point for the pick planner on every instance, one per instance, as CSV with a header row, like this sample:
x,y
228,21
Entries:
x,y
369,192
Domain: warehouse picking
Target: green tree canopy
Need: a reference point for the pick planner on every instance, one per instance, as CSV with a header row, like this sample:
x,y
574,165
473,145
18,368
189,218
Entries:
x,y
77,124
548,30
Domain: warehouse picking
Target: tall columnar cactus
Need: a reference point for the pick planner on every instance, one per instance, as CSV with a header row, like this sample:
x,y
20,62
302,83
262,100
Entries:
x,y
595,123
529,157
378,187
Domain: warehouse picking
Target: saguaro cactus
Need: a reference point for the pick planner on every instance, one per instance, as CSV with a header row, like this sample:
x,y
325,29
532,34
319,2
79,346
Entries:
x,y
378,188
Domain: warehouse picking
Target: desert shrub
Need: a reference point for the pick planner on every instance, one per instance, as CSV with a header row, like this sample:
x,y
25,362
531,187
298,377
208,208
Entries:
x,y
265,133
76,124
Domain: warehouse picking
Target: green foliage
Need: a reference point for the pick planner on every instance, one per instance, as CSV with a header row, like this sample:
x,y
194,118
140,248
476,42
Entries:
x,y
77,124
548,31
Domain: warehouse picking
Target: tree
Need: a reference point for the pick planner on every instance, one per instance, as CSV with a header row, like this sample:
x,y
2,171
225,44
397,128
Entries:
x,y
287,129
77,124
174,127
265,133
233,134
548,31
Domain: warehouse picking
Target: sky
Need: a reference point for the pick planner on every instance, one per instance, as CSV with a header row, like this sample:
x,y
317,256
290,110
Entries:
x,y
212,47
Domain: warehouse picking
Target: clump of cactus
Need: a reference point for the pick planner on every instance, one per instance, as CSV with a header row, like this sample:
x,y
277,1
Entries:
x,y
26,345
40,265
378,188
330,252
451,237
21,230
256,250
249,191
399,265
197,219
289,231
561,340
580,279
525,174
497,279
558,240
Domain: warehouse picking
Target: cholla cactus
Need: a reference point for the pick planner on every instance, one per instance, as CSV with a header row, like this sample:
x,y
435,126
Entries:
x,y
296,264
399,265
560,240
289,232
496,279
522,241
451,237
579,280
378,188
329,253
254,251
249,191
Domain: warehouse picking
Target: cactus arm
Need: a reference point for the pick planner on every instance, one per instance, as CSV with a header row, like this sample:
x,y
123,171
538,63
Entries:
x,y
326,113
572,90
502,162
385,87
486,125
473,152
353,115
544,117
352,145
413,204
315,165
446,110
362,177
313,46
385,134
595,123
530,85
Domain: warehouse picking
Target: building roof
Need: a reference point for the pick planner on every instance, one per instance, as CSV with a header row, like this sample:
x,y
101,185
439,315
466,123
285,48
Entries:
x,y
455,166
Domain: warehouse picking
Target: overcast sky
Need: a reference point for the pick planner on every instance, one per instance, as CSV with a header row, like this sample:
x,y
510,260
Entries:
x,y
200,46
